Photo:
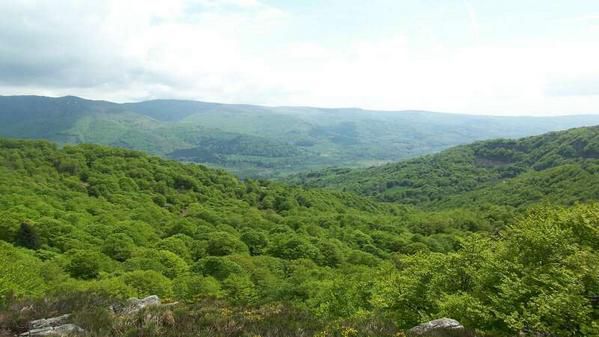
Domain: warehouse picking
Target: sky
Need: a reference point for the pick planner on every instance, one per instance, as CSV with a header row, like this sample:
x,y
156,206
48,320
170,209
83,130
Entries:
x,y
508,57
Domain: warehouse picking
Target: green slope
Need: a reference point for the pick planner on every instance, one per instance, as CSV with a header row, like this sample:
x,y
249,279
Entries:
x,y
559,167
260,141
85,226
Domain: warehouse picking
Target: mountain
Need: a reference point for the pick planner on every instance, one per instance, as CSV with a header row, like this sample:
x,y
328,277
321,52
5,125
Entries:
x,y
558,167
85,227
259,141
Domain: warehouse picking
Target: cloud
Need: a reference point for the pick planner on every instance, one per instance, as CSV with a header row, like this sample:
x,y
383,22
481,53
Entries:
x,y
586,18
244,51
133,46
574,85
473,19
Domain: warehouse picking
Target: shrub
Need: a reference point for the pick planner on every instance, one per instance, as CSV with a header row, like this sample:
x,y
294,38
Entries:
x,y
27,237
149,282
119,246
84,264
216,266
223,243
191,288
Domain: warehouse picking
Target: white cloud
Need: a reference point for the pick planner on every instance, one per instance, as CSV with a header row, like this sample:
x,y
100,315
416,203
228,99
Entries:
x,y
236,51
586,18
473,19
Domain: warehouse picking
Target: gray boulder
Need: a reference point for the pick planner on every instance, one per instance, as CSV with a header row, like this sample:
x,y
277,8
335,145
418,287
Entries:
x,y
60,330
134,304
443,327
49,322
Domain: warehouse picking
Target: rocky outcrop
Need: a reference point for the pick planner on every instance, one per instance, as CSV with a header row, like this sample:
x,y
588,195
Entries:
x,y
443,327
135,305
60,330
55,326
60,326
49,322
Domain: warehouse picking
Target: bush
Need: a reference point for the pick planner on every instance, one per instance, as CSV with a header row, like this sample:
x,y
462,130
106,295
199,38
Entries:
x,y
84,264
27,237
223,243
119,246
240,289
191,288
149,282
216,266
256,241
163,261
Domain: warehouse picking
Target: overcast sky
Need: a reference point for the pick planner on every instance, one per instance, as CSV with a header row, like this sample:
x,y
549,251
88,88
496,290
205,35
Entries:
x,y
508,57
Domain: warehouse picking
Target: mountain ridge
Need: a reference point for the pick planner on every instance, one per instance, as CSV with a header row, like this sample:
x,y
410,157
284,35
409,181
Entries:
x,y
470,173
315,138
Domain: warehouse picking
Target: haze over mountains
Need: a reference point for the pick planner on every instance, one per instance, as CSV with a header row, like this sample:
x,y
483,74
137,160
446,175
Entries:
x,y
261,141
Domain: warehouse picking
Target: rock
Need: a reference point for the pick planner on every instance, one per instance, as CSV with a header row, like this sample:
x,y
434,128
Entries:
x,y
55,326
134,305
443,327
49,322
60,330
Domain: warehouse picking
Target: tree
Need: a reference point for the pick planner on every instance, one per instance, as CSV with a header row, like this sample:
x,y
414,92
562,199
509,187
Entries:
x,y
192,288
119,246
256,241
27,237
240,289
149,282
294,247
223,243
330,255
217,266
84,264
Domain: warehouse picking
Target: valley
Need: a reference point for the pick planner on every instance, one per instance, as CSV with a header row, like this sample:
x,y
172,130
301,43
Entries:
x,y
498,234
257,141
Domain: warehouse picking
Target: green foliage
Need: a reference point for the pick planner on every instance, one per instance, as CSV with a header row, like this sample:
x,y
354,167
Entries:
x,y
148,282
118,246
21,273
333,257
256,241
218,267
292,248
257,141
539,277
223,243
558,167
27,237
192,288
240,289
84,264
162,261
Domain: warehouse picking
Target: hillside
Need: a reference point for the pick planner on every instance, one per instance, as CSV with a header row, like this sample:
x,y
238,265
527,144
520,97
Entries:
x,y
558,167
83,226
258,141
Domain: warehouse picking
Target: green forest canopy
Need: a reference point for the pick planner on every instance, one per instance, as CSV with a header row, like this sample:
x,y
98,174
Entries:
x,y
121,223
257,141
558,168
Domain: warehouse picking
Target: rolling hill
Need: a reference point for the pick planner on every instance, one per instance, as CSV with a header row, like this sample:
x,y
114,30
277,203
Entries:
x,y
260,141
85,227
558,167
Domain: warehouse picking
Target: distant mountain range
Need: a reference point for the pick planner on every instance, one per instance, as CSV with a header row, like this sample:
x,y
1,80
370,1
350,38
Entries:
x,y
261,141
557,167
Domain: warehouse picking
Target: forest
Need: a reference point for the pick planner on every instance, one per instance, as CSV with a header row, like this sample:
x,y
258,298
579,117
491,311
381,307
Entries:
x,y
260,141
555,168
83,226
